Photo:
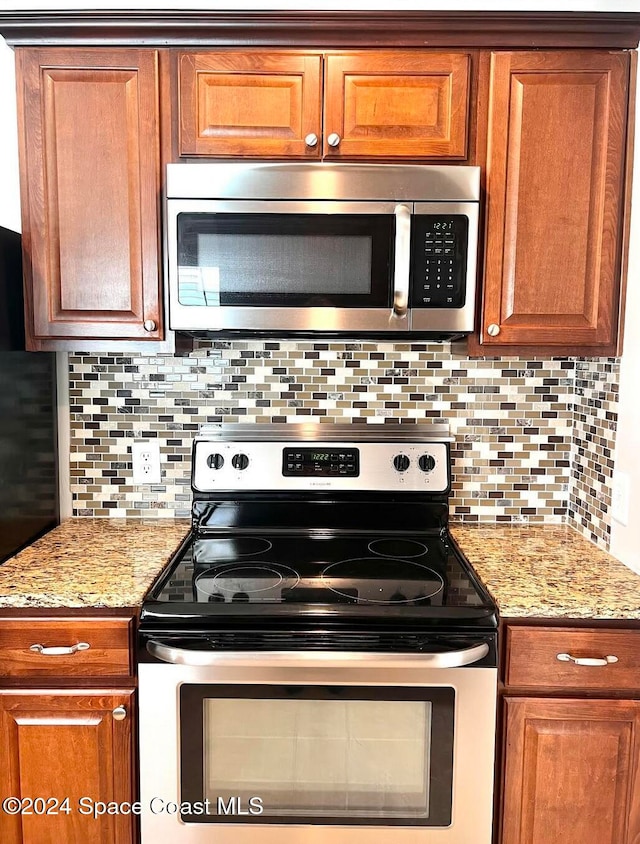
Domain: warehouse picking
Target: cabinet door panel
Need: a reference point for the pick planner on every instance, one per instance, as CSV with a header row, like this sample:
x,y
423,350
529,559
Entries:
x,y
90,148
397,104
249,104
571,771
555,182
66,745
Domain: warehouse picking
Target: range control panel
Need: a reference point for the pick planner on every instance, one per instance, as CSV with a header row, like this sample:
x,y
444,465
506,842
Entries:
x,y
222,465
439,261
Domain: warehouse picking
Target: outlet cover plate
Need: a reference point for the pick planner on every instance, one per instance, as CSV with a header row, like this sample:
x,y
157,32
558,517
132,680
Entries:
x,y
145,460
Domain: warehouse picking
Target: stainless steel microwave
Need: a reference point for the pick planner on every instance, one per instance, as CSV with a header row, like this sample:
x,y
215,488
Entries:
x,y
376,250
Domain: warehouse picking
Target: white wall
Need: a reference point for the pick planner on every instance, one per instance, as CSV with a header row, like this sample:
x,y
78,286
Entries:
x,y
625,540
9,184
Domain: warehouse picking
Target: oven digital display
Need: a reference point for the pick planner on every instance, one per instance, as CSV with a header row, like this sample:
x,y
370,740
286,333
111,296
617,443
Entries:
x,y
320,462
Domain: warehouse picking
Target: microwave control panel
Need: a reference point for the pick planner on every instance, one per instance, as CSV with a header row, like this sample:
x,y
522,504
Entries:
x,y
439,250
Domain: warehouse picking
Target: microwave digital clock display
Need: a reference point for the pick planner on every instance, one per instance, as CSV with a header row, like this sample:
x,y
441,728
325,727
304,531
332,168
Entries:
x,y
324,462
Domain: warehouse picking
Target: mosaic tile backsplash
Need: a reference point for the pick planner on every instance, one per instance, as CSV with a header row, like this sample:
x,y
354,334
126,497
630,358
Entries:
x,y
529,435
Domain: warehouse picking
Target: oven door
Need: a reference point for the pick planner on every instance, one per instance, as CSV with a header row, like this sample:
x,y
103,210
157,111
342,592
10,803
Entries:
x,y
288,266
286,747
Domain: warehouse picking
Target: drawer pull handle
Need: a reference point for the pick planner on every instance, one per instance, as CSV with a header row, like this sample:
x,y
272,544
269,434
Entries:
x,y
587,660
60,651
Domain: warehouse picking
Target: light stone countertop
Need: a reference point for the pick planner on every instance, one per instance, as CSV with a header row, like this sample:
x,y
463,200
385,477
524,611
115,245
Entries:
x,y
91,563
538,571
549,571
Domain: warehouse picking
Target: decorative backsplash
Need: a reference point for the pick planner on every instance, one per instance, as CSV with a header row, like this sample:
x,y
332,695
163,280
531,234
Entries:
x,y
594,432
517,455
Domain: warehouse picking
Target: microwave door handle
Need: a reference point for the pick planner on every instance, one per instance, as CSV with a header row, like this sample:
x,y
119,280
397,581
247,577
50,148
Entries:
x,y
317,659
402,262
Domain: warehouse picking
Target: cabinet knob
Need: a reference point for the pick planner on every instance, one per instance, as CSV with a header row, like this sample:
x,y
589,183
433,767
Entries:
x,y
311,140
493,330
150,325
119,713
334,139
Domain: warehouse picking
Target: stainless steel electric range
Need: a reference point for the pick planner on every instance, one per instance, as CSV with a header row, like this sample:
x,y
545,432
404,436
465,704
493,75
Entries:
x,y
318,661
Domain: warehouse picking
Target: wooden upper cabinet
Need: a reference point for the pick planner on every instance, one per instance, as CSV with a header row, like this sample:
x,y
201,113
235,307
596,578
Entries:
x,y
555,187
90,192
250,104
396,104
571,771
376,104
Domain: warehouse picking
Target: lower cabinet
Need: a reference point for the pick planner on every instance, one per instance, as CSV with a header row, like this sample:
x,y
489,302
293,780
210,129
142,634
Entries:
x,y
67,715
572,771
571,736
63,756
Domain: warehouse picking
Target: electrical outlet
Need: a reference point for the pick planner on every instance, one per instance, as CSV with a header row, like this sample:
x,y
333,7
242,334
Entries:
x,y
620,498
145,459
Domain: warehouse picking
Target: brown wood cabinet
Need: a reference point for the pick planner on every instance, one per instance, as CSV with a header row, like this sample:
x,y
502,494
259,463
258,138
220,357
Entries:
x,y
571,753
382,103
89,150
61,744
555,182
545,101
71,738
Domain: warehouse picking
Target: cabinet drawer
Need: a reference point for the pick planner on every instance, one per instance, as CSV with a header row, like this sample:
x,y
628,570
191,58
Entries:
x,y
107,654
532,658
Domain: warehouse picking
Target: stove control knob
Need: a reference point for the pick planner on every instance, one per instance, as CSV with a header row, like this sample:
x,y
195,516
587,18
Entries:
x,y
240,461
426,463
215,461
401,462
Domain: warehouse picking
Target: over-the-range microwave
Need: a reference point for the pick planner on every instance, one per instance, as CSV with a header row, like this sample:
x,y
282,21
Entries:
x,y
322,249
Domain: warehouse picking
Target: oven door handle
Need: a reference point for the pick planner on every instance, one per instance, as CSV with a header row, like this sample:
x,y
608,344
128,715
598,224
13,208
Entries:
x,y
309,659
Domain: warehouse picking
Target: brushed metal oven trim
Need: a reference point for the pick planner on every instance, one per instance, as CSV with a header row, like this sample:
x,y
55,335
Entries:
x,y
475,696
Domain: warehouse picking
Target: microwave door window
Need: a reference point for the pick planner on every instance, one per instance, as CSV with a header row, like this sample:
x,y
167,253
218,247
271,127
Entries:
x,y
311,260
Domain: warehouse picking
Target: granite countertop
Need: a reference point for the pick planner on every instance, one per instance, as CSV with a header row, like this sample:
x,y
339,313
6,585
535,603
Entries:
x,y
549,571
90,563
538,571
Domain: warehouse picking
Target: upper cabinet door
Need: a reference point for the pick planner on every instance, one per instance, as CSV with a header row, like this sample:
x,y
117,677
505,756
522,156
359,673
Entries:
x,y
396,104
555,186
250,104
90,177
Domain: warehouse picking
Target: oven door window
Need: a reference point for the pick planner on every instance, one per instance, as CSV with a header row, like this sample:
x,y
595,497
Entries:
x,y
309,754
285,260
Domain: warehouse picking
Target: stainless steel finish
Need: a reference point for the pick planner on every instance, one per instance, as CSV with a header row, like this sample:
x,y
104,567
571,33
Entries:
x,y
493,330
311,140
323,188
150,325
119,713
309,659
325,181
587,660
63,650
264,469
227,318
475,701
425,432
452,320
402,270
334,139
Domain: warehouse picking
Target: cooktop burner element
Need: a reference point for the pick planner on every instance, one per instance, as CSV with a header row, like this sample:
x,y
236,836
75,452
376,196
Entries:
x,y
241,581
406,548
385,580
232,547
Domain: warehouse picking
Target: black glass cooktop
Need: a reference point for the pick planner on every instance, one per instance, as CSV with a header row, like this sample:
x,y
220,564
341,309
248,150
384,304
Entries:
x,y
318,574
